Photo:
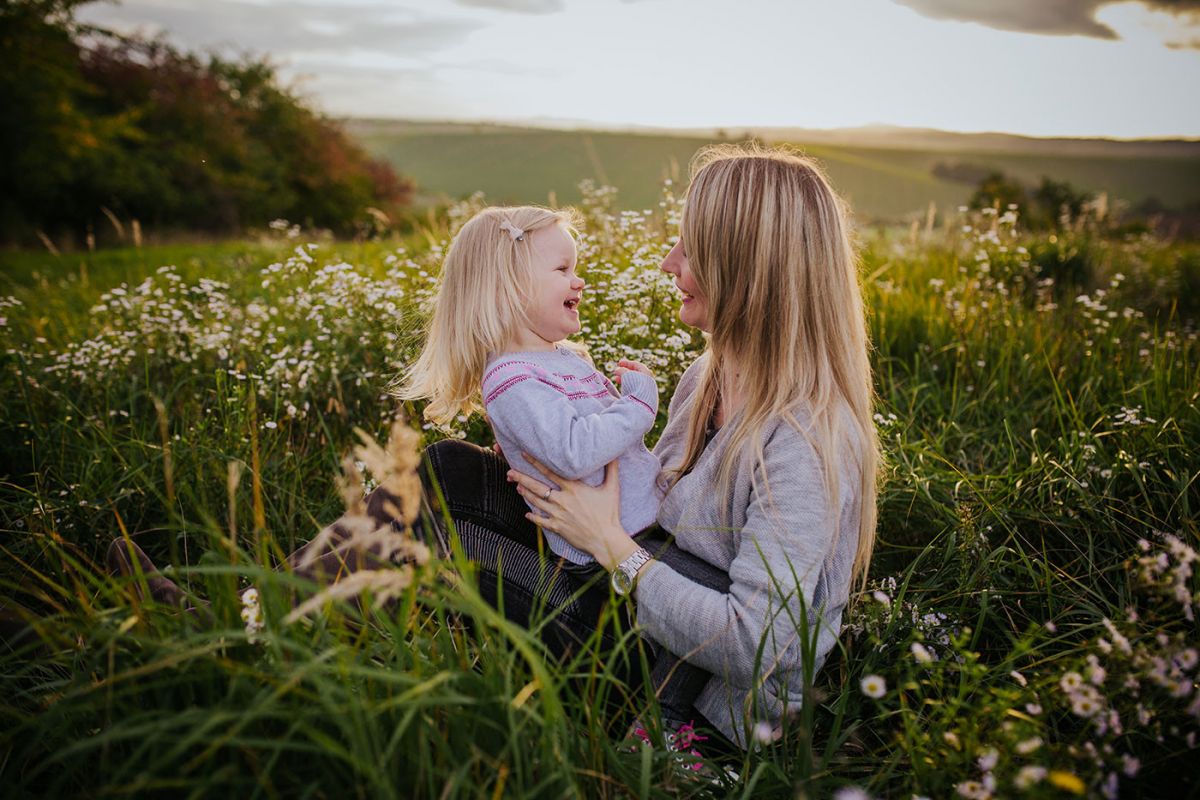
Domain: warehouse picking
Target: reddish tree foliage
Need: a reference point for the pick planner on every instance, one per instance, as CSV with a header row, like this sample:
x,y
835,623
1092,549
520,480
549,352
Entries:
x,y
170,138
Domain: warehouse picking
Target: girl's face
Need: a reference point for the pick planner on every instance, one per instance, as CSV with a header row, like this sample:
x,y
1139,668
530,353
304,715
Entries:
x,y
694,309
553,311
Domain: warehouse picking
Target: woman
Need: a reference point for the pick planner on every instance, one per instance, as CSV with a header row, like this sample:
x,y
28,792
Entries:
x,y
769,450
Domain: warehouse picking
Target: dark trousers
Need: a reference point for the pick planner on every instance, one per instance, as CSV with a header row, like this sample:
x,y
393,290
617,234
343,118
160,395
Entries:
x,y
522,577
517,573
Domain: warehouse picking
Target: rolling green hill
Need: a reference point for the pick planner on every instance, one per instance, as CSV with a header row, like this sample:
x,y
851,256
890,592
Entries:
x,y
513,164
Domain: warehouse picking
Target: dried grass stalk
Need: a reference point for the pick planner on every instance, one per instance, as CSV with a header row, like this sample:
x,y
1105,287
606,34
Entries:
x,y
395,467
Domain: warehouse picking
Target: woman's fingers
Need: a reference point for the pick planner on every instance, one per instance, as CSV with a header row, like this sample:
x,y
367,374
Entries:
x,y
536,501
534,493
541,522
611,475
542,468
526,484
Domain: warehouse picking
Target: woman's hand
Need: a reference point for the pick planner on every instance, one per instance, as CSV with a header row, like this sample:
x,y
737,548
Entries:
x,y
588,517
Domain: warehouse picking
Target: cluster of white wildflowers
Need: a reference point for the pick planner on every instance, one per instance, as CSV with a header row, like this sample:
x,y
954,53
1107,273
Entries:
x,y
983,788
995,268
460,211
1166,571
284,229
993,264
902,619
1137,681
988,783
311,331
1075,723
1005,747
630,308
252,614
1111,453
1132,417
7,302
1097,317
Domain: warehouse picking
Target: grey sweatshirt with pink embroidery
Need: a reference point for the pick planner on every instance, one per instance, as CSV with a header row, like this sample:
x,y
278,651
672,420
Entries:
x,y
557,408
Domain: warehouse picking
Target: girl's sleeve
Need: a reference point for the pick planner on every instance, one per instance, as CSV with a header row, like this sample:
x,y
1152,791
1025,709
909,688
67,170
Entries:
x,y
774,576
537,413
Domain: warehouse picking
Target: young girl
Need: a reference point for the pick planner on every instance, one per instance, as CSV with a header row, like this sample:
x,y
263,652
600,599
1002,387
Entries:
x,y
509,299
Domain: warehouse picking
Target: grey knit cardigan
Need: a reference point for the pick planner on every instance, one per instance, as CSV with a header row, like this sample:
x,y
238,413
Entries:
x,y
785,554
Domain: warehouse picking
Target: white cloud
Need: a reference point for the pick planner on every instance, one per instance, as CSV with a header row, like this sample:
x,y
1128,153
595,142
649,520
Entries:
x,y
519,6
285,29
1053,17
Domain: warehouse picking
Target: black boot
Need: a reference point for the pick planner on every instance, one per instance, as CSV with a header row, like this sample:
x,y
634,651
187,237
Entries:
x,y
120,563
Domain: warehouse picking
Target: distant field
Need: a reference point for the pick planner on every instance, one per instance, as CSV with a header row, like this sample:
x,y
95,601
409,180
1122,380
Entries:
x,y
883,183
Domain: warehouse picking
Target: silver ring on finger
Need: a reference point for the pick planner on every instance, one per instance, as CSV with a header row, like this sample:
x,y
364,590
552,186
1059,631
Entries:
x,y
546,496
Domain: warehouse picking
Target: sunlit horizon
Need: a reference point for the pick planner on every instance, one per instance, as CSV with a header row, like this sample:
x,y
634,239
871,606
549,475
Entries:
x,y
735,130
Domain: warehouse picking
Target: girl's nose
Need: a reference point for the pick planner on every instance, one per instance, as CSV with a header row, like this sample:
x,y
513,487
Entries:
x,y
579,283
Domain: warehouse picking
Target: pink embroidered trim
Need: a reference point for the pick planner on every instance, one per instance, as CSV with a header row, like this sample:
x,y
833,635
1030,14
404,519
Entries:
x,y
642,402
514,380
506,385
592,378
577,395
504,364
589,379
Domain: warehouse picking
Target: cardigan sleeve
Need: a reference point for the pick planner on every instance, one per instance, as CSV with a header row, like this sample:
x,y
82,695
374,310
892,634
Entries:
x,y
754,629
530,409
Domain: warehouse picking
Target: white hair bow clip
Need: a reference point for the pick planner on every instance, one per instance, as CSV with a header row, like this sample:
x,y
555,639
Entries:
x,y
516,233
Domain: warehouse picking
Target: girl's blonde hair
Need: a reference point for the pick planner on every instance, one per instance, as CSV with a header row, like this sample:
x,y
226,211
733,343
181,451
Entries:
x,y
486,283
768,243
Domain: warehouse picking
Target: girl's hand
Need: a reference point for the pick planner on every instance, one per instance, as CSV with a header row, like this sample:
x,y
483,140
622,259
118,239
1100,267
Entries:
x,y
589,518
625,365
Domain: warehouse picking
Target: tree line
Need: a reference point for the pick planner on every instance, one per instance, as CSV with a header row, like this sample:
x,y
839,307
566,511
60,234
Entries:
x,y
100,125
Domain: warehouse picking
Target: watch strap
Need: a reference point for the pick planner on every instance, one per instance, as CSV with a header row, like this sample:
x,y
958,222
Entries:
x,y
624,577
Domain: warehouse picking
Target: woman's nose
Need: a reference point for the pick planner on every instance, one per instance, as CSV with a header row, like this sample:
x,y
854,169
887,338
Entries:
x,y
668,264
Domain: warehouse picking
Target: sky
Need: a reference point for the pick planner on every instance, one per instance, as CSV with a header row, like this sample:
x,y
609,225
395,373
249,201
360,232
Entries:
x,y
1123,69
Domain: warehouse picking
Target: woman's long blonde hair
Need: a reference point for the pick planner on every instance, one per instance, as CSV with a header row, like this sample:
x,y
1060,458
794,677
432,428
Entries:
x,y
768,243
486,283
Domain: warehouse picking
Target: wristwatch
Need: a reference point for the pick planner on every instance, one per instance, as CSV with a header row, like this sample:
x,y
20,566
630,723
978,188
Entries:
x,y
625,575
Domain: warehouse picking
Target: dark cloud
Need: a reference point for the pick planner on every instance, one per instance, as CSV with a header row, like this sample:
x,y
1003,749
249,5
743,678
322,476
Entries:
x,y
284,30
1052,17
519,6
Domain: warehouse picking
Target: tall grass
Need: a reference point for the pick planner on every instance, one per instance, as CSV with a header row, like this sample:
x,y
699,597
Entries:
x,y
1030,629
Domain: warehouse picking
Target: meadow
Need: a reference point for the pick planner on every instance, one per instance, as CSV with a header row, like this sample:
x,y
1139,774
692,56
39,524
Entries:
x,y
1029,630
886,176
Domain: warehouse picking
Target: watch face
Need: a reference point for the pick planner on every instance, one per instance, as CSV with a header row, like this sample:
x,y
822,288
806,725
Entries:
x,y
621,583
